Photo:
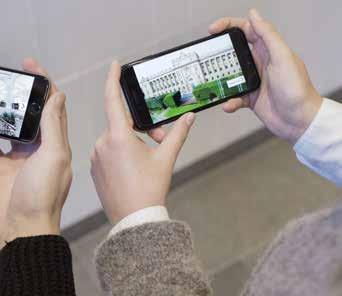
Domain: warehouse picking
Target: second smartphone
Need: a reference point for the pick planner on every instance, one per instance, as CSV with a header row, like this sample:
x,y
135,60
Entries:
x,y
191,77
22,99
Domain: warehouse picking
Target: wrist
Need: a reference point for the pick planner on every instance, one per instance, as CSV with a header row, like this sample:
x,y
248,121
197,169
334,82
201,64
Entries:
x,y
146,215
115,216
31,227
308,112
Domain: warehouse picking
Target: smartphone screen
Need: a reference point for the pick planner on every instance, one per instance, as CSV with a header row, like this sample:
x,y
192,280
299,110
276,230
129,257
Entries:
x,y
15,90
190,78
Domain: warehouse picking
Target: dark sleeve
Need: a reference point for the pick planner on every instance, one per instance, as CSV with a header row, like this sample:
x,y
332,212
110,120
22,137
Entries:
x,y
40,265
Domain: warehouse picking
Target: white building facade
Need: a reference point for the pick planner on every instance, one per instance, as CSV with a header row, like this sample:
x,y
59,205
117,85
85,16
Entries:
x,y
189,70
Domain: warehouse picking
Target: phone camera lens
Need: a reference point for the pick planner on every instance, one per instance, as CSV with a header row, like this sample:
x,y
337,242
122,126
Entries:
x,y
35,108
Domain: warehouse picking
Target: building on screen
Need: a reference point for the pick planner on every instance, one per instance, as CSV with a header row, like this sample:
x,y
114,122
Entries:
x,y
190,70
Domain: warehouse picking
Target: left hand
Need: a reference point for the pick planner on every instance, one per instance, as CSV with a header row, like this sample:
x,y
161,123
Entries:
x,y
35,178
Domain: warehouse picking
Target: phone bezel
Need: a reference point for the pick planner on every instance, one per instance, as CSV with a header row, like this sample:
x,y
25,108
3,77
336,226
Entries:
x,y
39,93
135,97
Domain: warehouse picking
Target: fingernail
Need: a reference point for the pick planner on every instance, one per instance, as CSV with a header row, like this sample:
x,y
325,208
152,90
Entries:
x,y
190,118
255,14
212,27
225,108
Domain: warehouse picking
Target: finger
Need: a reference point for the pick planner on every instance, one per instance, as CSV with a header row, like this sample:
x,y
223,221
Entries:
x,y
174,141
65,126
230,22
157,134
129,119
268,33
140,139
257,60
115,109
235,104
31,65
21,150
53,131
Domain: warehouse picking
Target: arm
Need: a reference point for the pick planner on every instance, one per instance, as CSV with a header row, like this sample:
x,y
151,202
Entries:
x,y
151,259
35,181
287,102
145,253
39,265
304,259
320,147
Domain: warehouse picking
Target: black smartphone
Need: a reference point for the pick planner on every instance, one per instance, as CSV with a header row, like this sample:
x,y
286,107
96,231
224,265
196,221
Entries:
x,y
191,77
22,99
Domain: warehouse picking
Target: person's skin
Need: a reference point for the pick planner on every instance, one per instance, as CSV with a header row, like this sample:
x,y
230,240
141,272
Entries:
x,y
35,178
128,174
286,102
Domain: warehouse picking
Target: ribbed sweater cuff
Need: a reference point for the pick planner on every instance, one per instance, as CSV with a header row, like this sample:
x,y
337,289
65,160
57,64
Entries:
x,y
40,265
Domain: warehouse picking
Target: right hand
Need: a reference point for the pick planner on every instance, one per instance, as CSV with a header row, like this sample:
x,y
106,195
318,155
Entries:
x,y
286,102
128,174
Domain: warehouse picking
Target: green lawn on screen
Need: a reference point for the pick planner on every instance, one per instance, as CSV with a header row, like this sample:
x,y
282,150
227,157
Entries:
x,y
165,106
170,112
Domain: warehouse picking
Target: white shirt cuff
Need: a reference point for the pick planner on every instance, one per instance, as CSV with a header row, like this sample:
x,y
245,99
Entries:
x,y
314,132
319,147
146,215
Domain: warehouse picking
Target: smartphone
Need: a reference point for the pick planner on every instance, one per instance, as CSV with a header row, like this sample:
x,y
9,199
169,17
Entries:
x,y
191,77
22,99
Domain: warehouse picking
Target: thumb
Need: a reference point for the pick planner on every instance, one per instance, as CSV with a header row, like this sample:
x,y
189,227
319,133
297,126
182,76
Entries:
x,y
174,141
274,43
51,125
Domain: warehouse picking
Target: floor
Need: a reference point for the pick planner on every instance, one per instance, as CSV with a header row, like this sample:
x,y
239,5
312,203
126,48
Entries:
x,y
234,211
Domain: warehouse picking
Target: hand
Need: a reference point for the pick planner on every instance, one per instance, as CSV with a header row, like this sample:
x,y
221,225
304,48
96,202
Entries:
x,y
128,174
35,178
287,102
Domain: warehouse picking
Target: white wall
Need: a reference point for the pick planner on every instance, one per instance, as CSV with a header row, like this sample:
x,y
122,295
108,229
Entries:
x,y
77,39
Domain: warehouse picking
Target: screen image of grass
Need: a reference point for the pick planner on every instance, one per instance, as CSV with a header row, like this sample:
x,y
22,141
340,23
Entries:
x,y
171,104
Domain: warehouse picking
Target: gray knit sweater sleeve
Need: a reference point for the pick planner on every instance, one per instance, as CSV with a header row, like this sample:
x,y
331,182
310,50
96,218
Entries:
x,y
304,260
151,259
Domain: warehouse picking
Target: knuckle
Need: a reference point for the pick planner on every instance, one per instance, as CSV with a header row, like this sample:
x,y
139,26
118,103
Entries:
x,y
62,95
93,157
70,174
110,140
297,59
92,160
63,159
117,138
270,26
98,145
70,153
